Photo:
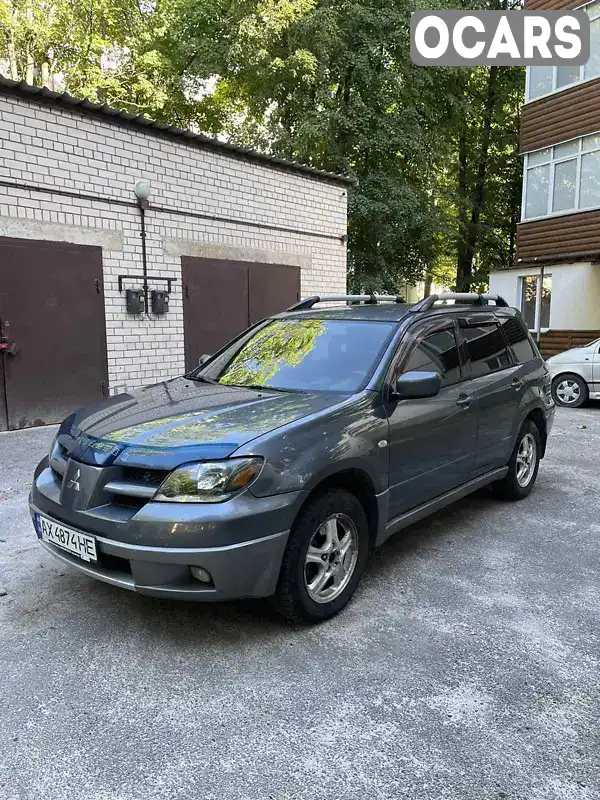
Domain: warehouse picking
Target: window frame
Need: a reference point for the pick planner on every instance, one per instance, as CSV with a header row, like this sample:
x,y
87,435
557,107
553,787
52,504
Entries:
x,y
464,345
538,308
556,89
552,162
411,339
520,320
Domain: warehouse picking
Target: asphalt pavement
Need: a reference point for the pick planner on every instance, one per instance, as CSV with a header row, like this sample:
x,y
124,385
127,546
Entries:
x,y
466,668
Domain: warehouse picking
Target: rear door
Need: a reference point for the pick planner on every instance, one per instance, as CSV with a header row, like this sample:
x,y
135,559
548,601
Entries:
x,y
432,440
53,320
497,386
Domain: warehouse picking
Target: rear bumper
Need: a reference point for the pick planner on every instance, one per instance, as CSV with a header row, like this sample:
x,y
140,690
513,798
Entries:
x,y
244,569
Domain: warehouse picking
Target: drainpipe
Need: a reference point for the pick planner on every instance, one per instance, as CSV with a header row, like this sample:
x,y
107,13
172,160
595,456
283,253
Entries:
x,y
143,206
142,192
538,305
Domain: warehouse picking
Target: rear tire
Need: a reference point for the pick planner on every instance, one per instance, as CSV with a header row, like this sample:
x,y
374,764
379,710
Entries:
x,y
523,465
570,391
325,558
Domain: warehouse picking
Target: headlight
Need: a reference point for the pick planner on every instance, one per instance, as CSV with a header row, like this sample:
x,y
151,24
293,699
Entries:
x,y
209,481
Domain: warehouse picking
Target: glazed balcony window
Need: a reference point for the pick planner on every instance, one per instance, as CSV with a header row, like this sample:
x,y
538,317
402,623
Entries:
x,y
563,178
546,80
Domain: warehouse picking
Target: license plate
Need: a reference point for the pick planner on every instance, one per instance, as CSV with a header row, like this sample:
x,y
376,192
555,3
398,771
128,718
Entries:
x,y
80,544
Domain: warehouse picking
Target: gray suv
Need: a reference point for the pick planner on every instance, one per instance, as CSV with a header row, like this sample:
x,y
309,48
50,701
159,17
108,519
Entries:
x,y
277,465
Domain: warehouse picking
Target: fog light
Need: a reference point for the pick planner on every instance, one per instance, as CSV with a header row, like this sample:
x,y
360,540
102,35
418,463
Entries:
x,y
201,574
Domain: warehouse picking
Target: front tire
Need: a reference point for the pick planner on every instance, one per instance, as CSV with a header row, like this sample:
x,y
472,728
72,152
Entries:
x,y
570,391
523,465
325,558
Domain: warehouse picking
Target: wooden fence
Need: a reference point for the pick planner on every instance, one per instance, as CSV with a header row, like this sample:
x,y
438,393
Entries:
x,y
554,342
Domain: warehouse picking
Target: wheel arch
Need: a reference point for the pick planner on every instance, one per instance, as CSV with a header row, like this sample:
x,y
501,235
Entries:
x,y
359,483
568,373
537,416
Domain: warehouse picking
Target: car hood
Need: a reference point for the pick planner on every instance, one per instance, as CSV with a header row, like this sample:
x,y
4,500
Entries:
x,y
181,420
571,356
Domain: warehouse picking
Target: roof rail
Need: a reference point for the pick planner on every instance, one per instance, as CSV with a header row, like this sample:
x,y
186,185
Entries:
x,y
368,299
466,297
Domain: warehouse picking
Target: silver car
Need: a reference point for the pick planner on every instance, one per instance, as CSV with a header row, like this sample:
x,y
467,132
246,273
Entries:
x,y
576,375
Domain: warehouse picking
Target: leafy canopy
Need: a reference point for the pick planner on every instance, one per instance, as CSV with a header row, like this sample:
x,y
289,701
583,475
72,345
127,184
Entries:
x,y
327,82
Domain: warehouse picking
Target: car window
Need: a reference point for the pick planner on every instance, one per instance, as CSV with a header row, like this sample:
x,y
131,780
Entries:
x,y
436,352
305,354
518,338
486,349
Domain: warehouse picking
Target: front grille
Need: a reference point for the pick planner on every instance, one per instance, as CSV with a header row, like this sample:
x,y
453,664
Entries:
x,y
151,477
114,563
134,487
129,501
58,461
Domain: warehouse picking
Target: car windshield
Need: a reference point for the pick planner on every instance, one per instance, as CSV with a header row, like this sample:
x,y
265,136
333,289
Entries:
x,y
301,355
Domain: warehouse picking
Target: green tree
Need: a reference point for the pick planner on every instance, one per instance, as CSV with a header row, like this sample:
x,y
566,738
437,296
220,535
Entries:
x,y
332,84
326,82
103,50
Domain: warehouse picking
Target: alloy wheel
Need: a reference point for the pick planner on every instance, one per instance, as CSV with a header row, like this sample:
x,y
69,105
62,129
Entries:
x,y
526,459
331,558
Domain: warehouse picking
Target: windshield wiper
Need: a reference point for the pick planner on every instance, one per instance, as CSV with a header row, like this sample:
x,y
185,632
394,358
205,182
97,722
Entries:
x,y
258,387
201,379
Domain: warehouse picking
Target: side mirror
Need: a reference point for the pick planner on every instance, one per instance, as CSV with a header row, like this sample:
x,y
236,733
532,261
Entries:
x,y
414,385
203,359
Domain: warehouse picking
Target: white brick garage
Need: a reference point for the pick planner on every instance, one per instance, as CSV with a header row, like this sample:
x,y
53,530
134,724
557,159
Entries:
x,y
67,174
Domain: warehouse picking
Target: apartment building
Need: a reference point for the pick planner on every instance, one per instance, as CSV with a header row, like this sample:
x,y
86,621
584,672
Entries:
x,y
556,278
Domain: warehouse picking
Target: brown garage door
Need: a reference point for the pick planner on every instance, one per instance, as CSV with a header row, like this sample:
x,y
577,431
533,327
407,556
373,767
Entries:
x,y
221,298
52,312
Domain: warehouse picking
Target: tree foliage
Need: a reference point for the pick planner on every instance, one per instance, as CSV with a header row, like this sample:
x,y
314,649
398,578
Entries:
x,y
326,82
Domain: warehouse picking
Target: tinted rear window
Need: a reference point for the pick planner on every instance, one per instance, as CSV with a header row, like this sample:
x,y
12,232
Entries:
x,y
303,354
486,349
518,338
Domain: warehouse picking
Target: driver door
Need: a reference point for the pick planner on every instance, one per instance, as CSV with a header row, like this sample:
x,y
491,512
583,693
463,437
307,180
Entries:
x,y
432,440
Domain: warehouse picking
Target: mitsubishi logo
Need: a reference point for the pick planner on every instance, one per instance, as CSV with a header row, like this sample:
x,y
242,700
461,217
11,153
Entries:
x,y
74,482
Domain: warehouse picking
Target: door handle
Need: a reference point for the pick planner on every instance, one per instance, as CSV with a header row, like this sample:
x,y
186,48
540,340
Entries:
x,y
464,400
516,383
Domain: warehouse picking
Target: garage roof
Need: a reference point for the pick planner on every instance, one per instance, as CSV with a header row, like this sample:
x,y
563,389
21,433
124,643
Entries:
x,y
43,94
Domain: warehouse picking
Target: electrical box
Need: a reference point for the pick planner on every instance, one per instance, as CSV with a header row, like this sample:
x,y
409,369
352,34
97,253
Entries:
x,y
135,301
160,301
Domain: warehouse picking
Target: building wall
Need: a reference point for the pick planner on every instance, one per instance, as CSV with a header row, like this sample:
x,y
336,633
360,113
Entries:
x,y
53,148
566,235
575,293
561,116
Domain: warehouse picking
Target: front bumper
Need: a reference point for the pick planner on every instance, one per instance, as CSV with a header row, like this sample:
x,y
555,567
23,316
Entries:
x,y
150,549
245,569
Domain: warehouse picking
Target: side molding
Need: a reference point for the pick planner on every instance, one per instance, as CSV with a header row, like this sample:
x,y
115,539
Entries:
x,y
431,506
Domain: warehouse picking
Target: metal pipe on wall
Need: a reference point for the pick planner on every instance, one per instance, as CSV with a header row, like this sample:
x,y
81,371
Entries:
x,y
143,204
539,295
